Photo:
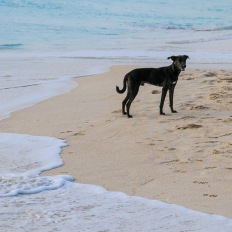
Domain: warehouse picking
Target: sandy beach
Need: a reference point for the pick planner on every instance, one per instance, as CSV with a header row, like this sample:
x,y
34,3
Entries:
x,y
182,158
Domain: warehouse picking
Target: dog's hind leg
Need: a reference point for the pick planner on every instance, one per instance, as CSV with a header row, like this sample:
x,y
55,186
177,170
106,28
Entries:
x,y
128,104
124,103
132,92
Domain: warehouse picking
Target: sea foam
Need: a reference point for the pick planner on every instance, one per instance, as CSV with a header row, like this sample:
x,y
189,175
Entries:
x,y
24,158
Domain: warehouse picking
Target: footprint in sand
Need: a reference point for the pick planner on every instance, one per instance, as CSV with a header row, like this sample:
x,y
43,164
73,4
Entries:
x,y
68,131
116,111
210,74
226,77
214,96
180,171
227,88
80,133
170,161
188,126
227,120
200,182
199,107
210,168
209,195
155,91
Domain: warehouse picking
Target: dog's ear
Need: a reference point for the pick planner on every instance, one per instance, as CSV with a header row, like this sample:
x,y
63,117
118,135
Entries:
x,y
173,58
186,57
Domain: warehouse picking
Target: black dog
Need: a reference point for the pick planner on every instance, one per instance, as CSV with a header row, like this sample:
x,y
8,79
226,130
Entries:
x,y
165,77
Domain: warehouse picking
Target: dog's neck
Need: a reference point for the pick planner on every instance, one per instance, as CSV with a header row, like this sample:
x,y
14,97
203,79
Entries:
x,y
175,70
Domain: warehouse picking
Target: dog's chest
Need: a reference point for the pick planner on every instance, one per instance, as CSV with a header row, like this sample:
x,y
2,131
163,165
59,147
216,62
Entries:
x,y
172,82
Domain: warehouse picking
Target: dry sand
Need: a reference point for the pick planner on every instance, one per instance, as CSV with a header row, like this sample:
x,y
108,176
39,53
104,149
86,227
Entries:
x,y
183,158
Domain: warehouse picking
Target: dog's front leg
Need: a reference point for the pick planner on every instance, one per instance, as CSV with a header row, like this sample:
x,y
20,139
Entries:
x,y
164,92
171,94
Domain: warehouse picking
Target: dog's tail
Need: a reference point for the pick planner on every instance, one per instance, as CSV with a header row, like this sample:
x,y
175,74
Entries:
x,y
124,85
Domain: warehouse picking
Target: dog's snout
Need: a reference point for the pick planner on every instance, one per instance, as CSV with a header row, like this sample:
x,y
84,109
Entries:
x,y
183,66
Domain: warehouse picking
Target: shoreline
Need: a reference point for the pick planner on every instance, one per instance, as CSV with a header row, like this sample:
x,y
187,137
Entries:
x,y
181,159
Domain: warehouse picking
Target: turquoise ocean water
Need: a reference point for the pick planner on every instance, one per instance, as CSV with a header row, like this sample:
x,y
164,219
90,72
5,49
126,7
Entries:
x,y
43,45
76,27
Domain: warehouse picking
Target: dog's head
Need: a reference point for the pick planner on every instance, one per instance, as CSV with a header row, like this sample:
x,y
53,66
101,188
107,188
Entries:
x,y
179,61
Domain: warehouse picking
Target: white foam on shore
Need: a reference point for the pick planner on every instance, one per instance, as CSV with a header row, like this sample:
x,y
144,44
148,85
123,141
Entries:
x,y
78,207
24,158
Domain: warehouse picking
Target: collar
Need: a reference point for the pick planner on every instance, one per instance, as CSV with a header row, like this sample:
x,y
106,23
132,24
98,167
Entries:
x,y
175,69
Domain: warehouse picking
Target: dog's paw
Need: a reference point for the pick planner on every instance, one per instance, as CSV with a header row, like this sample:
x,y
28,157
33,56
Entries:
x,y
162,113
174,111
